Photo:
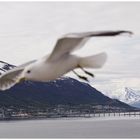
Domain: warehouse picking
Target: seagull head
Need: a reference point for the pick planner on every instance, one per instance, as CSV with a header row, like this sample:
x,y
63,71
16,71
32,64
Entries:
x,y
31,73
27,74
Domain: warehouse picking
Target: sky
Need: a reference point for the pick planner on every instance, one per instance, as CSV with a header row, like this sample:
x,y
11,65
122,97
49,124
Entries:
x,y
29,30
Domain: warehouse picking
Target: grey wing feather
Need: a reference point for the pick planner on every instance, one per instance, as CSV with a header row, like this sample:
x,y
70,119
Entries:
x,y
70,42
10,78
98,33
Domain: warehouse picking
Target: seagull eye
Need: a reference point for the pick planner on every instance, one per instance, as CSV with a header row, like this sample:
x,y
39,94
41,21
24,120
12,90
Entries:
x,y
28,71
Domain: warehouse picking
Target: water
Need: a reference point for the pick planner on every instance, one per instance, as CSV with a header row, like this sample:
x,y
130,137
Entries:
x,y
98,127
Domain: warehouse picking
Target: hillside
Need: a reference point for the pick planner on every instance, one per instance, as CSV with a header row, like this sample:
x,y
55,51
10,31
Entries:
x,y
64,91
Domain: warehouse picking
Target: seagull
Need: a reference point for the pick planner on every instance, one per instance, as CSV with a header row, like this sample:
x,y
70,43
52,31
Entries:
x,y
60,61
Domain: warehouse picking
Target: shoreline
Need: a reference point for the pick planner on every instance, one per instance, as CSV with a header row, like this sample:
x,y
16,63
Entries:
x,y
106,118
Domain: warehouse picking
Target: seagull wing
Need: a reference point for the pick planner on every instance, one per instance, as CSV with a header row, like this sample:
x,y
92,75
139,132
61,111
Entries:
x,y
70,42
10,78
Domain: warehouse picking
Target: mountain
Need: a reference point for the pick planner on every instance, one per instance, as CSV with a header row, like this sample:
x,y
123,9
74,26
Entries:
x,y
132,97
64,91
5,67
126,95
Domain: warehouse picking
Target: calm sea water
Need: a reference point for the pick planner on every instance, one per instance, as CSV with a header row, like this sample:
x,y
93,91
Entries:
x,y
103,127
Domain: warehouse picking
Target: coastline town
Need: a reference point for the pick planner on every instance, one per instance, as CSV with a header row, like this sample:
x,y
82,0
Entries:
x,y
15,113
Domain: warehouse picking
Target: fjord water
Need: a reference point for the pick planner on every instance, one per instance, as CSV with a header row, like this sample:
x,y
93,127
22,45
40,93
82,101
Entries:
x,y
98,127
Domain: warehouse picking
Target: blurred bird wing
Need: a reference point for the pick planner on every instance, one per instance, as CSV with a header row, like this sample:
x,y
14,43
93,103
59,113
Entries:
x,y
70,42
10,78
65,46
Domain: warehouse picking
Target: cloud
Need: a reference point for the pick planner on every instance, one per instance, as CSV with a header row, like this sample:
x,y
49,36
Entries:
x,y
29,30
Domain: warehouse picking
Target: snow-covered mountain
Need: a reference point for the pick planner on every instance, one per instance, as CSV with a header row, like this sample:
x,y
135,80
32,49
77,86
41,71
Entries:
x,y
64,91
127,95
5,67
118,91
131,97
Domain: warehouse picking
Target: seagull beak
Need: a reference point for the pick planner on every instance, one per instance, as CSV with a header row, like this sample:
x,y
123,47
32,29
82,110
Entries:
x,y
22,79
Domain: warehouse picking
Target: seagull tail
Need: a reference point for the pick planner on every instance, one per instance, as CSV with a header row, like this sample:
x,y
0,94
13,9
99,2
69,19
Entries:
x,y
94,61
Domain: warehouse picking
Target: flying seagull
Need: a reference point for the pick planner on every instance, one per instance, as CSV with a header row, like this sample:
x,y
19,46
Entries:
x,y
60,61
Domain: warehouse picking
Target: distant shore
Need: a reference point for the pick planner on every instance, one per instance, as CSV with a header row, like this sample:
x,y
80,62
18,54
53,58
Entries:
x,y
94,116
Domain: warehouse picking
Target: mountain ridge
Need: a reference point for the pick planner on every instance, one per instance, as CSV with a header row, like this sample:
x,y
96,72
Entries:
x,y
132,97
126,95
65,91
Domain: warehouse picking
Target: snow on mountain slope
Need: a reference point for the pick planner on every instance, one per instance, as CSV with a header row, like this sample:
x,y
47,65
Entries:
x,y
5,67
64,91
126,94
131,96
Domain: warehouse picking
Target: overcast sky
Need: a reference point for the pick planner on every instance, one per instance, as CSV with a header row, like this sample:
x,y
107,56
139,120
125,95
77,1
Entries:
x,y
28,30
